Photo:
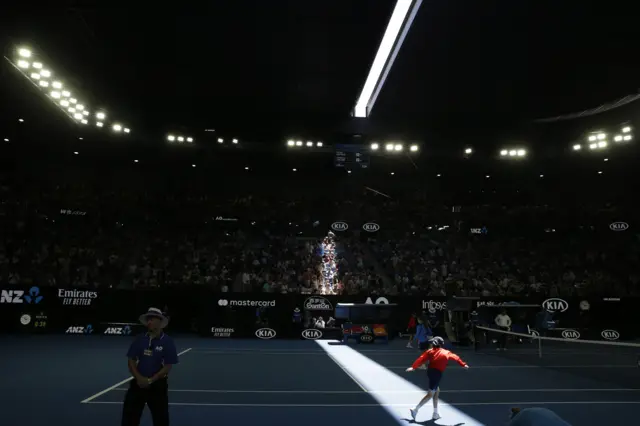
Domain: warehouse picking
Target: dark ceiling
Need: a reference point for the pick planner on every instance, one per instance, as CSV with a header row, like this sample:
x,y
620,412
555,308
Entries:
x,y
298,66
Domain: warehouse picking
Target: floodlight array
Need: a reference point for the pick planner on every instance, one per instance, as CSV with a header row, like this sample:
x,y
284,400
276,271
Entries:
x,y
393,147
308,144
41,76
513,152
176,138
599,140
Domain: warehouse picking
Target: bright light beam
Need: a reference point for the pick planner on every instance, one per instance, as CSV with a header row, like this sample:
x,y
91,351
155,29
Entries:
x,y
389,47
399,394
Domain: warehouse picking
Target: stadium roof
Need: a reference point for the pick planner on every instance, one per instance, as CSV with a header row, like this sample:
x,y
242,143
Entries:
x,y
473,74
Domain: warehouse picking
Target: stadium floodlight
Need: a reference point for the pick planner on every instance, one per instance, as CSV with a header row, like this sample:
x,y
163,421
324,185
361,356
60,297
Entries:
x,y
99,115
504,152
190,140
55,95
397,147
43,83
66,93
35,76
291,143
85,112
171,138
413,148
45,73
319,144
602,144
521,152
374,146
73,100
23,64
397,29
309,143
577,147
220,140
78,116
56,85
64,103
513,152
468,151
37,65
234,140
298,143
389,147
626,129
99,124
593,146
117,127
83,121
180,138
627,137
79,107
23,52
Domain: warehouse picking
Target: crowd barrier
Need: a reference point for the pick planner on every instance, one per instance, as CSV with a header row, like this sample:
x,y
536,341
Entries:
x,y
115,312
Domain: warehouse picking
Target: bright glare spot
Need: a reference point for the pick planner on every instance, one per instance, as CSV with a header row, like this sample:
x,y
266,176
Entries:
x,y
180,139
626,129
84,121
193,165
577,147
25,53
295,170
220,140
389,147
127,130
487,176
171,138
56,85
80,107
392,173
504,152
235,141
593,138
349,171
6,139
600,173
627,137
23,64
319,144
512,153
77,116
44,83
45,73
541,176
21,120
64,103
438,175
414,148
85,112
290,143
101,116
35,76
299,143
309,143
37,65
246,168
593,145
602,136
468,151
522,153
375,146
117,127
398,147
606,159
602,144
99,124
73,110
73,100
55,95
189,139
135,161
66,93
75,152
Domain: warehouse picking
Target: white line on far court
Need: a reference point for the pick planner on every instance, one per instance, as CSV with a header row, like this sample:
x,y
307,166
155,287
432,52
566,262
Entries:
x,y
328,392
475,367
110,388
205,404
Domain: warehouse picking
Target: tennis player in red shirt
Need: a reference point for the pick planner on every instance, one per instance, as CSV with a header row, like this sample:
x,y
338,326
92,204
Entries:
x,y
437,357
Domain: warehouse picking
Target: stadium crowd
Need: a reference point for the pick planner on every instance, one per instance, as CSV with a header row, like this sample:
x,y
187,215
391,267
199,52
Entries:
x,y
126,235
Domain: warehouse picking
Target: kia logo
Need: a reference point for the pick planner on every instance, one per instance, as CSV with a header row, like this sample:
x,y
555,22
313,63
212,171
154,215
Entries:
x,y
339,226
265,333
570,334
610,335
312,334
555,305
619,226
371,227
367,338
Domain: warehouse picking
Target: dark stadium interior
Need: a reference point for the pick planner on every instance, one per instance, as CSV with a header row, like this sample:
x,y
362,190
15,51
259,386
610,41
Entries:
x,y
498,164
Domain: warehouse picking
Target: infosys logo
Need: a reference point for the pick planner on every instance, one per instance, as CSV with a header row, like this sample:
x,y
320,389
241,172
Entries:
x,y
555,305
312,334
265,333
247,303
610,335
317,304
570,334
433,306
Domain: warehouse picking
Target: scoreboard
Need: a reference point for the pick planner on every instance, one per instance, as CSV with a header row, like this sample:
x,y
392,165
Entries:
x,y
351,157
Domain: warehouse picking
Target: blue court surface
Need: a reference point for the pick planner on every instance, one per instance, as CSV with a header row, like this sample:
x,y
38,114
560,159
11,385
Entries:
x,y
75,380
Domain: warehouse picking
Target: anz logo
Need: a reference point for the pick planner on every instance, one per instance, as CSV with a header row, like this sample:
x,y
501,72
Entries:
x,y
118,331
339,226
570,334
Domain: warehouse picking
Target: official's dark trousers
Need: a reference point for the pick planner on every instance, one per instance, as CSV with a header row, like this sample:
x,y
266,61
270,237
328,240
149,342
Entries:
x,y
502,340
155,396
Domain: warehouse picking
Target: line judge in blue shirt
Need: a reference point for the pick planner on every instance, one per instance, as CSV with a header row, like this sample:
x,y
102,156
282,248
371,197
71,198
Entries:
x,y
151,357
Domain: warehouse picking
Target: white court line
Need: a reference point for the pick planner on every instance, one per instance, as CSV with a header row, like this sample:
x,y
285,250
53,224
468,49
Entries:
x,y
198,350
205,404
475,367
110,388
316,353
327,392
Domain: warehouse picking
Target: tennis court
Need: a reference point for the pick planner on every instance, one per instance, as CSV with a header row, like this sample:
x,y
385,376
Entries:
x,y
45,378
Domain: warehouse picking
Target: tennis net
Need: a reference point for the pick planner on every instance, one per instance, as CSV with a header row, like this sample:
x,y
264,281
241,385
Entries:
x,y
617,362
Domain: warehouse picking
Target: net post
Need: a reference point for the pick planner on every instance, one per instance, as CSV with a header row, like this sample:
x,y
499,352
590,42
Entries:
x,y
539,346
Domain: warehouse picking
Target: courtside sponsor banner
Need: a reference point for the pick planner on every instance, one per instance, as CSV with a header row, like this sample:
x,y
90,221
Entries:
x,y
247,303
317,303
570,334
77,297
222,331
433,306
555,305
312,334
610,335
265,333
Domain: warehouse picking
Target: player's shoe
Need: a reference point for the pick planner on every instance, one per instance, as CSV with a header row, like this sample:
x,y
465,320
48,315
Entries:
x,y
409,345
435,416
414,413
